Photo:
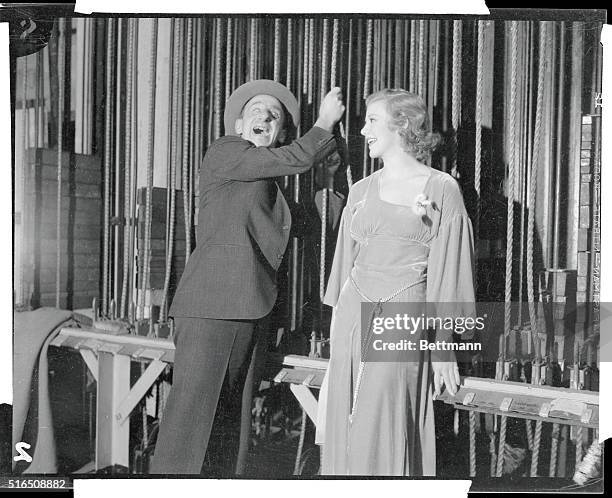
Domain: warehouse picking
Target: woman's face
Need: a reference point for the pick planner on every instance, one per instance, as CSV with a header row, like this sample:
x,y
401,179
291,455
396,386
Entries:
x,y
381,139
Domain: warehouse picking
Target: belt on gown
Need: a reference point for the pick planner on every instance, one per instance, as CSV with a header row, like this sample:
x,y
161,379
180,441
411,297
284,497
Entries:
x,y
375,310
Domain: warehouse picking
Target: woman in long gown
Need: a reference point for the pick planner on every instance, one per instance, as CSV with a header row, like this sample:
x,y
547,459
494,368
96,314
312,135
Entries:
x,y
405,236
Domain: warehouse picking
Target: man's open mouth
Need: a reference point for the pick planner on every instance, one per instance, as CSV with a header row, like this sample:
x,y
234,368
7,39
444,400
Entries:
x,y
259,130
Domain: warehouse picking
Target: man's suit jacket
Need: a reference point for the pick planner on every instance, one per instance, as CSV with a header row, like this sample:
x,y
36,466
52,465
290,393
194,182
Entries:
x,y
243,226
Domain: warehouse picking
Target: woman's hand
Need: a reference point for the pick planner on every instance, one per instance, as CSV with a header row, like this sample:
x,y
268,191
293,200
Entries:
x,y
446,373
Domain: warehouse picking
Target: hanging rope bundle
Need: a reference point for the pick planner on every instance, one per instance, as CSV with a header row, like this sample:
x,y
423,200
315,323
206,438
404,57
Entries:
x,y
149,207
61,47
119,95
129,92
537,148
110,44
511,176
172,171
146,265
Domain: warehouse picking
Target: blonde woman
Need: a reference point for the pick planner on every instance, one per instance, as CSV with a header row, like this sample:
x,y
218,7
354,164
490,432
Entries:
x,y
405,236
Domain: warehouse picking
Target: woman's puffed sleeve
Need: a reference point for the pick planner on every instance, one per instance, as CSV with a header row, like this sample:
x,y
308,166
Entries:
x,y
450,269
344,256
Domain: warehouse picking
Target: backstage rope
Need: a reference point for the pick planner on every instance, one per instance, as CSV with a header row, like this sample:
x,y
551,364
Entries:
x,y
421,66
289,53
529,433
310,60
61,47
128,159
277,36
368,61
217,113
228,60
554,449
305,57
146,263
537,146
535,453
579,443
186,142
108,111
413,58
478,128
253,51
511,178
456,92
334,53
502,446
493,454
324,193
472,419
172,176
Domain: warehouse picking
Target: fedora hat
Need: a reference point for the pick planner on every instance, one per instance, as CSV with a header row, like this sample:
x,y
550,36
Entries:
x,y
244,93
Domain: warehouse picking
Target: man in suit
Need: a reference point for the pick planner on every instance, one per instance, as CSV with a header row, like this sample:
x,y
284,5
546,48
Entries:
x,y
229,283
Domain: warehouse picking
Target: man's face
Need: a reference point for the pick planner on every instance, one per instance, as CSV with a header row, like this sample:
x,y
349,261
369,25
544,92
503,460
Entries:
x,y
262,121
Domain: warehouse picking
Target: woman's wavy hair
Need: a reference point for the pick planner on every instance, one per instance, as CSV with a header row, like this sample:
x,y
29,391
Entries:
x,y
408,115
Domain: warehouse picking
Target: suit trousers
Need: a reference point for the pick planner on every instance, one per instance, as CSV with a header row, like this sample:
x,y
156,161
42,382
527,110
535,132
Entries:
x,y
212,356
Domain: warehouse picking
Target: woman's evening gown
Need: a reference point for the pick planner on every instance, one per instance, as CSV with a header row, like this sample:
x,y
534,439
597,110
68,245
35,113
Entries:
x,y
382,248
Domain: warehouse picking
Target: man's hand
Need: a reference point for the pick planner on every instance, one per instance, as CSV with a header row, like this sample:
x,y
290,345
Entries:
x,y
331,110
446,373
